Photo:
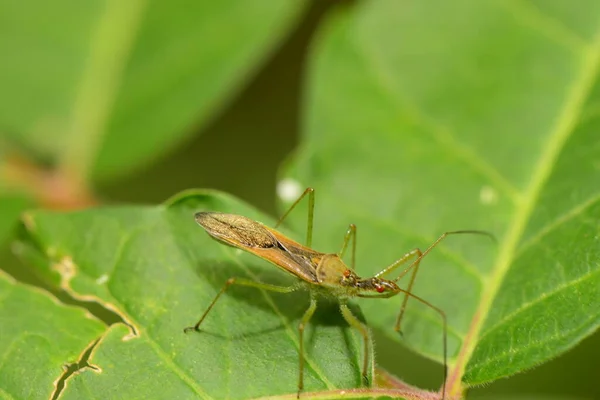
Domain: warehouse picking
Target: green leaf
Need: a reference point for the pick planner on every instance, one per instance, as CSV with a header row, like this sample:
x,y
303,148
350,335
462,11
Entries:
x,y
106,85
159,270
528,396
11,206
38,338
429,116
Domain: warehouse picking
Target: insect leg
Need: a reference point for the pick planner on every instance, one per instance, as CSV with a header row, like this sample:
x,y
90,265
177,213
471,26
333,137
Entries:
x,y
431,247
415,264
241,282
364,331
303,322
350,235
445,334
311,208
415,268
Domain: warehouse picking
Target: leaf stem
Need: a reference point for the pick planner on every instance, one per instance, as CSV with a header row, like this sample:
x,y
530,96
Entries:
x,y
48,188
367,393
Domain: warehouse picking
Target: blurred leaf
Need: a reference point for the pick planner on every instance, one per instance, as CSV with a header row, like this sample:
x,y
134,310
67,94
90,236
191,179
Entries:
x,y
38,338
109,85
526,397
11,207
429,116
159,270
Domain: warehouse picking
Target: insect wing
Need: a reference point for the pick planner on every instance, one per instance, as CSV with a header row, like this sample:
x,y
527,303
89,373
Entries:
x,y
255,238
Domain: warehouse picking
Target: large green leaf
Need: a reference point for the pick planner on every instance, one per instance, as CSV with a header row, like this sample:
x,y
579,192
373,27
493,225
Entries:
x,y
108,85
428,116
38,338
159,270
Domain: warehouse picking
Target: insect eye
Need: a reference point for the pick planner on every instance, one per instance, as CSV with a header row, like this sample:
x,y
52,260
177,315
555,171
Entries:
x,y
346,273
380,289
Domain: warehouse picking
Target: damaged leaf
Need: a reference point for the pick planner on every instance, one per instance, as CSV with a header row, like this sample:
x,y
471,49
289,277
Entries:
x,y
159,270
39,337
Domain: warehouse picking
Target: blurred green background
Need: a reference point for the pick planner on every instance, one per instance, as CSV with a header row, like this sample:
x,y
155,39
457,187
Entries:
x,y
238,148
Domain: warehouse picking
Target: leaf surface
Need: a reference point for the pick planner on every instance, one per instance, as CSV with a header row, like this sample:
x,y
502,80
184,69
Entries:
x,y
38,338
11,205
429,116
159,270
106,86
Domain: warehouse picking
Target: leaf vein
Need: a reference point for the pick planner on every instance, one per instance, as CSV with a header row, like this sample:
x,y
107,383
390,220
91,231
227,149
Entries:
x,y
564,126
549,27
443,135
542,297
539,343
110,44
572,213
188,380
5,394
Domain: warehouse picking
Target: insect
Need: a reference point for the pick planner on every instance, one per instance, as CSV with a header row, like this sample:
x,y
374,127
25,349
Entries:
x,y
319,273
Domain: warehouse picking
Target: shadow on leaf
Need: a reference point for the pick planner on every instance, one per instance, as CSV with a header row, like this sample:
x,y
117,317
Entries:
x,y
292,305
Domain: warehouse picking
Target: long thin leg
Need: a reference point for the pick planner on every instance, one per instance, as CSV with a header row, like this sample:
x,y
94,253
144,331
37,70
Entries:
x,y
303,322
350,235
409,288
396,264
445,335
364,331
241,282
402,260
311,209
415,264
438,240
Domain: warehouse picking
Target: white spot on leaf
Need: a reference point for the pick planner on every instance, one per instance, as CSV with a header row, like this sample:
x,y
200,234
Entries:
x,y
289,189
488,195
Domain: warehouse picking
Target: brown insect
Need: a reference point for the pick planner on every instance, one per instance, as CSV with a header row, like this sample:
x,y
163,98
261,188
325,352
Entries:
x,y
319,273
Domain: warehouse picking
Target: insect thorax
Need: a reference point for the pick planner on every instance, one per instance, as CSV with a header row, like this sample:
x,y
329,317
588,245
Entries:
x,y
335,274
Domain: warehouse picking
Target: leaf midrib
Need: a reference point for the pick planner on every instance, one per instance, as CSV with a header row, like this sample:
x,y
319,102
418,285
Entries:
x,y
565,125
111,41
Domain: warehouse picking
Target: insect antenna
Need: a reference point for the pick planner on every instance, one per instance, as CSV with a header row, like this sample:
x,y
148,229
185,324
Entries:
x,y
438,240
